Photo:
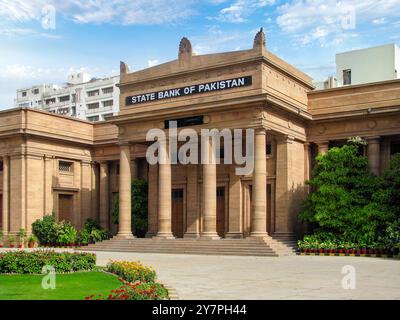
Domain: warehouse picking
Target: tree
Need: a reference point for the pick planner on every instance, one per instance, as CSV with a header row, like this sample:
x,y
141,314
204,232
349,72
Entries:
x,y
346,201
139,208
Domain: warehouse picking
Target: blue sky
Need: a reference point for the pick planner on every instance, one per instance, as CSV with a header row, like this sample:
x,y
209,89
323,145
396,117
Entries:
x,y
94,35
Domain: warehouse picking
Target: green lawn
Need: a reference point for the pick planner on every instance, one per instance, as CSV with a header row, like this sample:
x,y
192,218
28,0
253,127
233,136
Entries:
x,y
75,286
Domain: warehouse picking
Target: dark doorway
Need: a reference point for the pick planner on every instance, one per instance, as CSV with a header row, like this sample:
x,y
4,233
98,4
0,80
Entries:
x,y
177,213
221,211
65,207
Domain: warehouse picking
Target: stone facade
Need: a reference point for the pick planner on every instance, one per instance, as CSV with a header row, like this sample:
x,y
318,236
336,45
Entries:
x,y
76,169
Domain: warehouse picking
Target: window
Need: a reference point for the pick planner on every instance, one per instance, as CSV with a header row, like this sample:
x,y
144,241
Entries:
x,y
36,91
92,106
108,103
50,101
24,93
394,147
268,149
93,93
93,119
1,166
347,77
108,115
64,98
65,166
63,111
108,90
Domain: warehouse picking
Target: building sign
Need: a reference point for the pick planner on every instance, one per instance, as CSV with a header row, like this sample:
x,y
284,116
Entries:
x,y
190,90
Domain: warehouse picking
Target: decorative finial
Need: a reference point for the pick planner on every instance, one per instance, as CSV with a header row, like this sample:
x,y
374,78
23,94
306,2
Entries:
x,y
123,67
260,39
185,48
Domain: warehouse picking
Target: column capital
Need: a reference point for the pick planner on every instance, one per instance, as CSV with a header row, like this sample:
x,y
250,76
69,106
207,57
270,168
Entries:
x,y
374,139
285,138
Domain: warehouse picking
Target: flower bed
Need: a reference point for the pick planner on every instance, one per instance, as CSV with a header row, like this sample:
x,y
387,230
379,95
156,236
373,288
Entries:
x,y
138,283
135,291
132,271
22,262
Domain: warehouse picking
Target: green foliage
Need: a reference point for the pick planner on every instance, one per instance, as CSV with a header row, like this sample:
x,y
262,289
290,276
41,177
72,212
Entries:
x,y
92,232
32,262
349,204
21,236
45,229
139,208
66,233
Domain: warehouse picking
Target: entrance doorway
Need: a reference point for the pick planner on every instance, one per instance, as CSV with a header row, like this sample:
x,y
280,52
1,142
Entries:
x,y
221,211
65,207
177,213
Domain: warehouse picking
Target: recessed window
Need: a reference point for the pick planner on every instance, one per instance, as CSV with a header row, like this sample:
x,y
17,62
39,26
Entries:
x,y
64,98
24,93
268,149
347,77
394,147
93,119
93,93
108,103
108,90
36,91
91,106
65,166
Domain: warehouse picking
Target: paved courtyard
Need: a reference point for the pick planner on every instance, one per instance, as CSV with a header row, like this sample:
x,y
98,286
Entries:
x,y
293,277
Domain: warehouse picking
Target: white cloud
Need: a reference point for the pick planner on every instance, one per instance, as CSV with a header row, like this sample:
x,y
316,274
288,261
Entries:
x,y
240,10
152,63
329,22
379,21
122,12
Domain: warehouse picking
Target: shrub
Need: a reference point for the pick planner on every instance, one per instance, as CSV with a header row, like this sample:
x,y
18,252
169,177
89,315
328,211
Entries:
x,y
45,230
22,262
136,291
132,271
66,233
92,232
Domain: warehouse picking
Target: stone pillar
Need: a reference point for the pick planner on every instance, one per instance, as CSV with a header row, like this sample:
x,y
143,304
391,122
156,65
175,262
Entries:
x,y
164,192
373,152
152,201
235,229
124,226
259,196
104,195
6,193
192,208
323,147
209,199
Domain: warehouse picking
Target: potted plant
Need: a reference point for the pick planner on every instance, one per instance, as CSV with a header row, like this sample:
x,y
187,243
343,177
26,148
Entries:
x,y
1,238
11,241
32,241
21,238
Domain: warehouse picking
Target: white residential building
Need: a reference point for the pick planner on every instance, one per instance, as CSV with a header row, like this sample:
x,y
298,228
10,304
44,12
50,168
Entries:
x,y
82,97
368,65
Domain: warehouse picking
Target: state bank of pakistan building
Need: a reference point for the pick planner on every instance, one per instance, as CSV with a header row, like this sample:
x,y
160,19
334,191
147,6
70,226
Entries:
x,y
76,169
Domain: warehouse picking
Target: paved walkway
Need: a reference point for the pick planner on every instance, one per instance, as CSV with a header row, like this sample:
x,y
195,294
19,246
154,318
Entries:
x,y
293,277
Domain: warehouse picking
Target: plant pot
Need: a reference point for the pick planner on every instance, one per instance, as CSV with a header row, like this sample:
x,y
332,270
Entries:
x,y
20,246
1,245
321,250
340,250
364,251
31,244
326,251
12,245
347,251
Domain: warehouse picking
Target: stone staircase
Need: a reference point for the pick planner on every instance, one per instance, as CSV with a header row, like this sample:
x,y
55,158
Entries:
x,y
268,247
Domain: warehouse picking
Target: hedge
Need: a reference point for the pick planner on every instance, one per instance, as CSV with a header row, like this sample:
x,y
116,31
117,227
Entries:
x,y
132,271
22,262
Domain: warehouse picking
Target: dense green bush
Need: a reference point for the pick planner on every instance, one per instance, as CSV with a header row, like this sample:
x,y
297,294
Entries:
x,y
33,262
45,229
139,208
349,204
49,232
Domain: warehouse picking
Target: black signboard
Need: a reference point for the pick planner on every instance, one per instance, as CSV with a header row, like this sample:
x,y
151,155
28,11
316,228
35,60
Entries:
x,y
190,90
186,122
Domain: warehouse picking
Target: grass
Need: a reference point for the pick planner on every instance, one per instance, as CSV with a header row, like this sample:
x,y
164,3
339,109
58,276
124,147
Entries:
x,y
74,286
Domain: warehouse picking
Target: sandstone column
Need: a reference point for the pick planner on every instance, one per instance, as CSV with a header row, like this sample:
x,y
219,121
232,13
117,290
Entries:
x,y
152,202
104,195
323,147
373,152
209,200
164,192
124,226
259,205
6,193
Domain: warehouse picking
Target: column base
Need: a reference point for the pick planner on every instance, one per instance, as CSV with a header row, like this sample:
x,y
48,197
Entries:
x,y
164,235
191,235
150,235
259,235
234,235
124,236
210,236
